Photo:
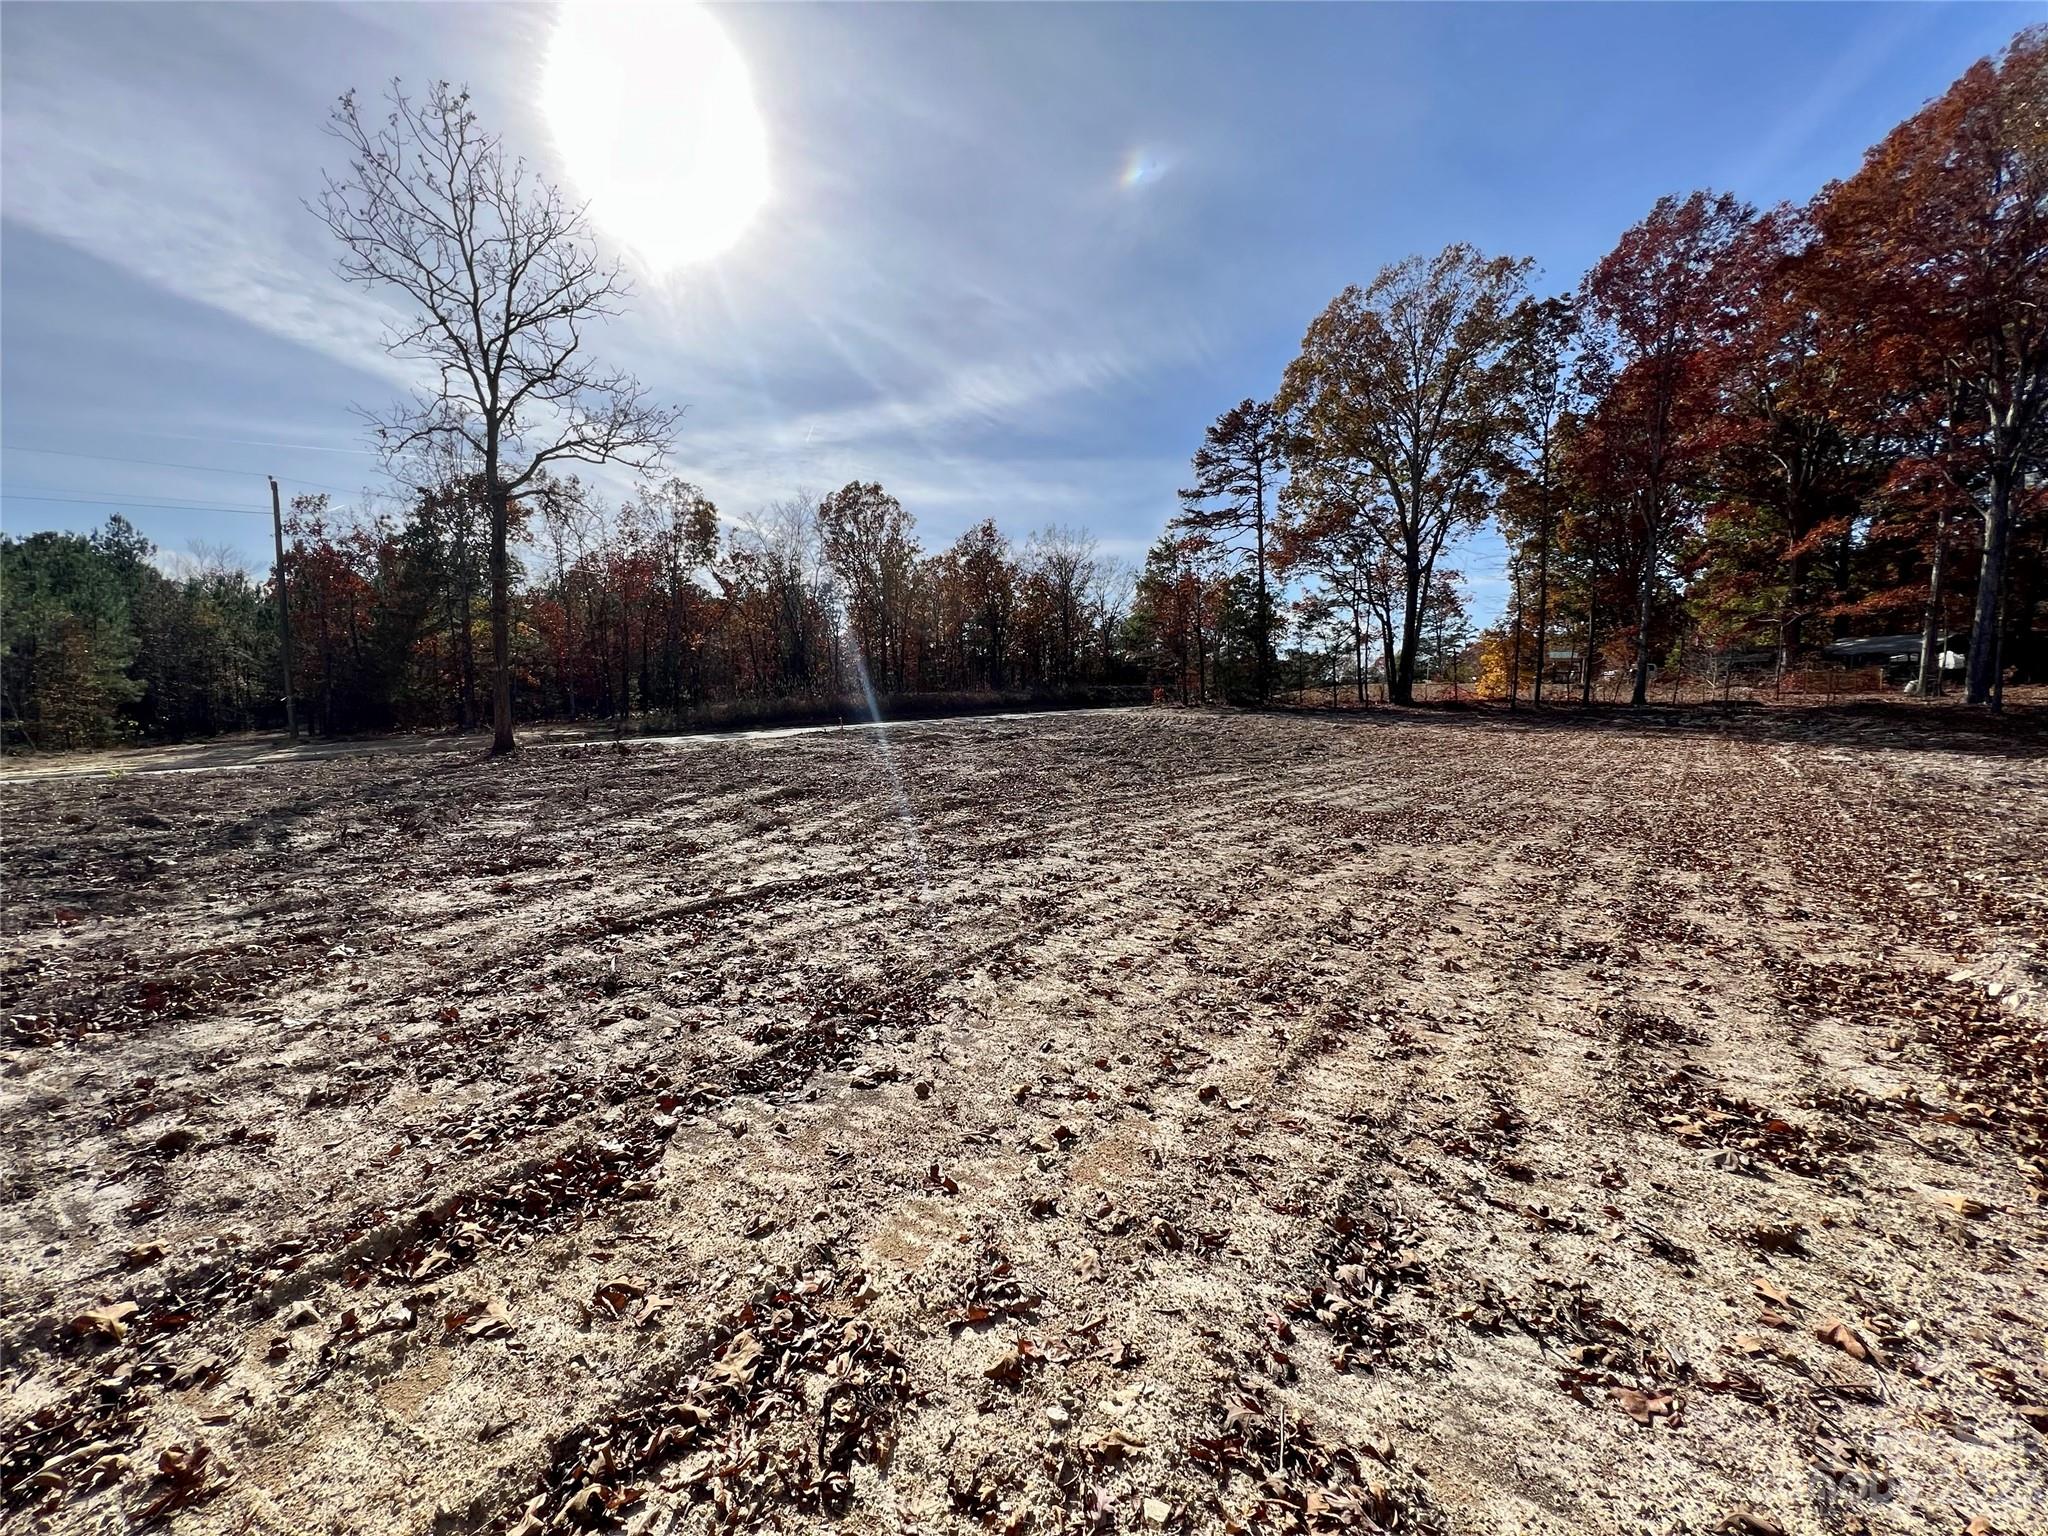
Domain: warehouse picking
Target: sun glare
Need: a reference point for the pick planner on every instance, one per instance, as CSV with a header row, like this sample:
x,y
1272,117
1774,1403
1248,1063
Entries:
x,y
653,113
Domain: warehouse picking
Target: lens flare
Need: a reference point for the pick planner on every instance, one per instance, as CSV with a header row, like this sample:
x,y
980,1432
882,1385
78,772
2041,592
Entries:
x,y
1140,168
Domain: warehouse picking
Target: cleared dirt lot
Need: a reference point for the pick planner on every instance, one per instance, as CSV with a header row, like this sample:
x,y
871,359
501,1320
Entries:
x,y
1425,1123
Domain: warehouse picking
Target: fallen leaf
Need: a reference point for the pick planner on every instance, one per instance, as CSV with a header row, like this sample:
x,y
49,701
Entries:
x,y
1119,1353
492,1321
1834,1331
104,1322
1010,1368
613,1298
1643,1407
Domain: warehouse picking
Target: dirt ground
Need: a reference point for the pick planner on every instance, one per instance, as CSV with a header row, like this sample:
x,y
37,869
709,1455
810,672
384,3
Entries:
x,y
1148,1120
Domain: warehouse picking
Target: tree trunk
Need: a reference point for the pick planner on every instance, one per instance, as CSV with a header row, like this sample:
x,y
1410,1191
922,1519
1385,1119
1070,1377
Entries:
x,y
1932,641
1984,646
1586,660
1646,585
1358,654
1542,598
1401,683
1515,644
568,648
1265,602
501,627
1386,616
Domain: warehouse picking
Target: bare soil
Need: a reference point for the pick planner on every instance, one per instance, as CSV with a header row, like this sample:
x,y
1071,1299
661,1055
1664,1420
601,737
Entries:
x,y
1152,1120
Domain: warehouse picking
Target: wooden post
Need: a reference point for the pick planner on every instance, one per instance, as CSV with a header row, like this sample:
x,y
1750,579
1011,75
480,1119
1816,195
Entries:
x,y
284,613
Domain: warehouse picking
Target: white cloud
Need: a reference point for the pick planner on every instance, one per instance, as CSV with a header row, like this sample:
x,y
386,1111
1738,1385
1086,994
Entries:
x,y
948,292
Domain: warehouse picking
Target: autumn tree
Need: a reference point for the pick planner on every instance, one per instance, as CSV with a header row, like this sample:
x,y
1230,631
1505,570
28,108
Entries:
x,y
445,544
1236,470
1063,563
1540,378
1447,628
1941,239
678,526
1323,539
778,588
1656,321
502,283
1399,407
873,553
1177,605
1790,466
987,574
568,522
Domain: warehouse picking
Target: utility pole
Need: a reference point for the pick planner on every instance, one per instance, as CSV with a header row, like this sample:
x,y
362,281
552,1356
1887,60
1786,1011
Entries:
x,y
284,613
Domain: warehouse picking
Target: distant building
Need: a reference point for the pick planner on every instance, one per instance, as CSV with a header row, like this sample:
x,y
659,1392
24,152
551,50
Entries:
x,y
1898,655
1561,663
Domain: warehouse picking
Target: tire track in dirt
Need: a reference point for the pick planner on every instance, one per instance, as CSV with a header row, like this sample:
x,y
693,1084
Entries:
x,y
1259,908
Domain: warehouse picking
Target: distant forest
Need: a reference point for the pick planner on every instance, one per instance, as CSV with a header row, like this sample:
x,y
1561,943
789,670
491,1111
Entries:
x,y
1742,435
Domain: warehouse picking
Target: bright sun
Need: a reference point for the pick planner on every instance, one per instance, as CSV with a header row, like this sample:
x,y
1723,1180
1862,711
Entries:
x,y
653,113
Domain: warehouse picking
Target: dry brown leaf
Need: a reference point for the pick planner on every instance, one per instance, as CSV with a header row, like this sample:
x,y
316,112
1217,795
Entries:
x,y
492,1322
1643,1407
1833,1330
1777,1295
615,1296
104,1322
1010,1368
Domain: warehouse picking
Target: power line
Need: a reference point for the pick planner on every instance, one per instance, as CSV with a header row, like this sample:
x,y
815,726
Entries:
x,y
195,503
108,458
255,442
140,506
208,469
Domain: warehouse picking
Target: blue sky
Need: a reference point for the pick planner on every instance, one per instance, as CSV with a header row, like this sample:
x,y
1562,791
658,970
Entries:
x,y
955,287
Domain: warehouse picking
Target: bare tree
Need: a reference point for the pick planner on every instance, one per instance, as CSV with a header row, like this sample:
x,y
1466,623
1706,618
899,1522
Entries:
x,y
1111,591
502,280
784,551
1064,559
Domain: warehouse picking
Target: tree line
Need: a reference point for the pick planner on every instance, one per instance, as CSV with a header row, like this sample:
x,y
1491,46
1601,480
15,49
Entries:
x,y
651,608
1743,434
